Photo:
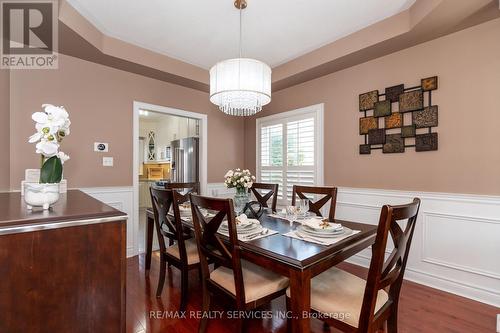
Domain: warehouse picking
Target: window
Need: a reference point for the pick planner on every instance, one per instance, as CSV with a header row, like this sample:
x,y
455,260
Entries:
x,y
290,149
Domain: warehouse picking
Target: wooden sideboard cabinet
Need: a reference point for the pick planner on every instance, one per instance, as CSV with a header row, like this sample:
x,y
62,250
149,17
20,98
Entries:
x,y
62,270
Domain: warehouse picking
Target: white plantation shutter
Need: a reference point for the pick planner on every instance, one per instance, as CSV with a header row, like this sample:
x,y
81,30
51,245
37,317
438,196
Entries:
x,y
287,150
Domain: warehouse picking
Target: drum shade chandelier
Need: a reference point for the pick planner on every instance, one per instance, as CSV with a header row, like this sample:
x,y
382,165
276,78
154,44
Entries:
x,y
240,86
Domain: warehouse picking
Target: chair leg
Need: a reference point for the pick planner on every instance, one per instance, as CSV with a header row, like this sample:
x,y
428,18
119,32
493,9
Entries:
x,y
326,327
205,308
240,325
170,243
392,321
161,280
288,318
184,288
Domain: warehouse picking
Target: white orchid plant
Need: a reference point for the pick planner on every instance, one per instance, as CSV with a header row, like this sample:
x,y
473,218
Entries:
x,y
52,126
241,179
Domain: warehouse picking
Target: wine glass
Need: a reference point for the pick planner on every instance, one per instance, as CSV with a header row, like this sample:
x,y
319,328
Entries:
x,y
303,206
291,214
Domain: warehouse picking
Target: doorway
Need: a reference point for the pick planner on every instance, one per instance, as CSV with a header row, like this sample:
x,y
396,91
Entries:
x,y
157,131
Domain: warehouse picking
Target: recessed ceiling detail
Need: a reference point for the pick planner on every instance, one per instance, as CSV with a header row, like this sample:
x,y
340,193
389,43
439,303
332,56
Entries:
x,y
202,32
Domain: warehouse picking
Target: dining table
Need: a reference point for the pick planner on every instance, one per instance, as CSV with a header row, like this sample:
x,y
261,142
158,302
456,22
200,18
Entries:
x,y
297,259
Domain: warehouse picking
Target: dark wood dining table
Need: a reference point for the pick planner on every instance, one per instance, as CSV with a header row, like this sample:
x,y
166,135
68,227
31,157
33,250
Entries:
x,y
297,259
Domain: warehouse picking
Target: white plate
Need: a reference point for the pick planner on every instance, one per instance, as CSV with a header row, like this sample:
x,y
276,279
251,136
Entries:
x,y
244,231
315,227
344,232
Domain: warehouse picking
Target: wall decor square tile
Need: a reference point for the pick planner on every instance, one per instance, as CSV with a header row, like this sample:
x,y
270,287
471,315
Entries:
x,y
376,136
366,124
411,101
382,109
367,100
364,149
408,131
394,143
395,120
426,142
392,93
428,117
429,83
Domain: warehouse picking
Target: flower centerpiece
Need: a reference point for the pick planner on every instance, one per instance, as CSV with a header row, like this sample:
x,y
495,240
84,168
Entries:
x,y
242,180
52,126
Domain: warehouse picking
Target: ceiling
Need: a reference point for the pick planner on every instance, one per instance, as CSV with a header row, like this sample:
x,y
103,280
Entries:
x,y
203,32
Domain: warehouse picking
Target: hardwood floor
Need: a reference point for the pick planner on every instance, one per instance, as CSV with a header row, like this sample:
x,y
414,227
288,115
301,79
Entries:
x,y
422,309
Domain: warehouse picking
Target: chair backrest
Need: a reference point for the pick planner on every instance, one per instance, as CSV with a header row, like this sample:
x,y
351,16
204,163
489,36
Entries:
x,y
388,273
188,187
165,201
211,244
330,194
264,198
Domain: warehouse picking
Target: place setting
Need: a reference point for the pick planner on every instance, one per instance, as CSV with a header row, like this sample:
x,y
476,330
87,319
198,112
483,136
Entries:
x,y
247,229
320,231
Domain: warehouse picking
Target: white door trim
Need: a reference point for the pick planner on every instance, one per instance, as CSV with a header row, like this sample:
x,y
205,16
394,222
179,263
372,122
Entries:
x,y
135,171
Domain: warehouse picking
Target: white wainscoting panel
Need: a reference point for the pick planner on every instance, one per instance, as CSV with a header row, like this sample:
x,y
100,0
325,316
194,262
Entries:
x,y
121,198
456,242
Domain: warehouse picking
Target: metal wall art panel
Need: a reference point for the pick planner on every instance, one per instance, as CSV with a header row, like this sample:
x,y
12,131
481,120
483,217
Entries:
x,y
366,124
408,131
411,101
382,109
394,143
376,136
367,100
401,128
392,93
395,120
428,117
429,83
364,149
426,142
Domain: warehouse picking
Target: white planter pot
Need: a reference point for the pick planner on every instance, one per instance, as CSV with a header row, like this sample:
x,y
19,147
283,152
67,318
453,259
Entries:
x,y
41,195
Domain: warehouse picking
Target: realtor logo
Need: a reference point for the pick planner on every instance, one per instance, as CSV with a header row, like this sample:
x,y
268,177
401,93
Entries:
x,y
29,34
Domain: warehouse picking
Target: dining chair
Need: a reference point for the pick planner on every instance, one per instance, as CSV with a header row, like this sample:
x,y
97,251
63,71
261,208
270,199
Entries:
x,y
352,304
330,194
264,198
183,253
244,284
193,187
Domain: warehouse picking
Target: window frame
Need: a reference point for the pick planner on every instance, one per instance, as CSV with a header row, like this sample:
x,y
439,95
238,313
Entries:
x,y
317,112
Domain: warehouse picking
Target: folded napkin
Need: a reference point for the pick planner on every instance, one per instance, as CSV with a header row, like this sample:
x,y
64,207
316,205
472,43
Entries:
x,y
319,240
316,224
244,238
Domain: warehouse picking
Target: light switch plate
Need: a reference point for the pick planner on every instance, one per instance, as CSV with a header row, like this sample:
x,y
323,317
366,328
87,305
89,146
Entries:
x,y
101,147
107,161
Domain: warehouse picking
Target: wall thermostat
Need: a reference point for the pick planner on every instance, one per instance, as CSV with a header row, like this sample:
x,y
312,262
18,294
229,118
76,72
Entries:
x,y
101,147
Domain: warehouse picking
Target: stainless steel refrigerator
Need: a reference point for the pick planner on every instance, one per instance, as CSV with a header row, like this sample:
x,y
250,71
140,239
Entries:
x,y
185,160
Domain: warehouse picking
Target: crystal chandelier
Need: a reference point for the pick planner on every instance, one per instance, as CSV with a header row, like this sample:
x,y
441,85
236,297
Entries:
x,y
240,86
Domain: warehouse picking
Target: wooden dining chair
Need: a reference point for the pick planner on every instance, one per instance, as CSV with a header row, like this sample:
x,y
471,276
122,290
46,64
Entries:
x,y
330,194
355,305
183,253
264,198
246,285
193,187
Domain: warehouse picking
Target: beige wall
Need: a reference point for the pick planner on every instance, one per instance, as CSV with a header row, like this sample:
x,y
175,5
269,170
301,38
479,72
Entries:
x,y
4,129
468,159
100,100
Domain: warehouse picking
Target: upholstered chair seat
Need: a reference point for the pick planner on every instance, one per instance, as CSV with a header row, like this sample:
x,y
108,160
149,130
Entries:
x,y
258,281
340,294
191,251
